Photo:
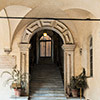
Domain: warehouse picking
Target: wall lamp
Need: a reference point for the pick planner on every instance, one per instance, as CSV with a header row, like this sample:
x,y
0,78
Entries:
x,y
7,50
80,51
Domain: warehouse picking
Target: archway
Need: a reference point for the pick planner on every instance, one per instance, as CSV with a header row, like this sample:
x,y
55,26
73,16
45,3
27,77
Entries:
x,y
46,64
68,46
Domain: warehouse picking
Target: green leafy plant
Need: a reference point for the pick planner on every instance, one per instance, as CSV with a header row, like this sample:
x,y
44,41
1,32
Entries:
x,y
73,86
82,82
73,82
79,82
17,78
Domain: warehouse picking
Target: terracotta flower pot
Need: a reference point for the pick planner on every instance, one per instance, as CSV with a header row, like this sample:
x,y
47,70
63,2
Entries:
x,y
74,92
17,92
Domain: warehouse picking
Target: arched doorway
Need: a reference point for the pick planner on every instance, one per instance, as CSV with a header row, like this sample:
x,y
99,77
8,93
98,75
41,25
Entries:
x,y
46,64
68,46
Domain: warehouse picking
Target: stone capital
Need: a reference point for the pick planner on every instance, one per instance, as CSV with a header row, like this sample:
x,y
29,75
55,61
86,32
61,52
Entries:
x,y
24,47
68,47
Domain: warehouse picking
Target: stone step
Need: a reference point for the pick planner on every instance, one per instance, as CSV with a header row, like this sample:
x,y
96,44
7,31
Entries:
x,y
48,98
42,80
47,84
19,98
47,89
49,77
77,98
26,98
46,74
46,78
49,72
46,69
49,92
45,66
46,81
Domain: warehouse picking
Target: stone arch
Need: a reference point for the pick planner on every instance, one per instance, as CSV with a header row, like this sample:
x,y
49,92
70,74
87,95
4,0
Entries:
x,y
68,47
54,25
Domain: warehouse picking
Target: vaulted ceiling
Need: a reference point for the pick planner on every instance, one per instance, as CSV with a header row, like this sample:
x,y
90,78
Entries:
x,y
89,5
50,8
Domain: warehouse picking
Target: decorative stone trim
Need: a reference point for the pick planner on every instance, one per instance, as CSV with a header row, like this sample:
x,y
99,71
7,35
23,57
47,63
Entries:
x,y
68,46
59,26
24,60
68,65
24,47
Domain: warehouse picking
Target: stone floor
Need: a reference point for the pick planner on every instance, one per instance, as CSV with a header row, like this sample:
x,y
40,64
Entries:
x,y
46,83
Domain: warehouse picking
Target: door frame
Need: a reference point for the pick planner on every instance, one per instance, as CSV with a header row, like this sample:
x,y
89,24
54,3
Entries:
x,y
68,46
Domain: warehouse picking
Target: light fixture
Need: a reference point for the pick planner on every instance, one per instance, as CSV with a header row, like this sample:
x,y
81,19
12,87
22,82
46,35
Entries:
x,y
45,34
7,50
80,51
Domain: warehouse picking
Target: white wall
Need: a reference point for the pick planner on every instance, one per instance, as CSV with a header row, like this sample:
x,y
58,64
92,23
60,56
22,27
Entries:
x,y
5,91
93,92
4,32
80,32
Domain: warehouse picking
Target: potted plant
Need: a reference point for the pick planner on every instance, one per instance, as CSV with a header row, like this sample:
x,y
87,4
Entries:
x,y
73,86
18,80
82,83
78,83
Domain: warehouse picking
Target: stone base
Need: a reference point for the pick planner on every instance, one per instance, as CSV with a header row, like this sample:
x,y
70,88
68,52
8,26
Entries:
x,y
19,98
70,98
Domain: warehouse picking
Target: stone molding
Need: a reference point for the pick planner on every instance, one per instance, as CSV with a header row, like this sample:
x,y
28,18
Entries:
x,y
24,47
64,32
68,65
24,60
68,47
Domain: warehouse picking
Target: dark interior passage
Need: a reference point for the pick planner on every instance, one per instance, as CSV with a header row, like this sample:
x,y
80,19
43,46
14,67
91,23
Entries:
x,y
53,46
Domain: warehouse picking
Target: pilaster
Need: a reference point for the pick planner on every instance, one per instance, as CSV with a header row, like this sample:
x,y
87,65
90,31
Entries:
x,y
68,65
24,60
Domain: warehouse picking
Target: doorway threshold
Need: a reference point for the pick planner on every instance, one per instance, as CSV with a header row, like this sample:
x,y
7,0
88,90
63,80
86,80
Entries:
x,y
19,98
75,98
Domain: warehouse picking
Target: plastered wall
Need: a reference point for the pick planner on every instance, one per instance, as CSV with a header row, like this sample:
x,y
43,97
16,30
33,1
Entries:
x,y
80,31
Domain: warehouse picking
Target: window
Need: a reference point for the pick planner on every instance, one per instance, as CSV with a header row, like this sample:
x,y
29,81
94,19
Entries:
x,y
45,46
91,56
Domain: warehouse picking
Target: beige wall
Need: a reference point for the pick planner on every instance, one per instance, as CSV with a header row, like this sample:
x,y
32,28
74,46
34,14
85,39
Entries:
x,y
93,91
12,30
5,91
4,32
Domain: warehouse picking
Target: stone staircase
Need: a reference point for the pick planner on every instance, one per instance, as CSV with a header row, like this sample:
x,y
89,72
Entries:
x,y
46,83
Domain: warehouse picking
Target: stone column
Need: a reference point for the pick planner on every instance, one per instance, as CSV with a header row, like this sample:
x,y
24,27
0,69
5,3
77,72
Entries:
x,y
24,61
68,65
